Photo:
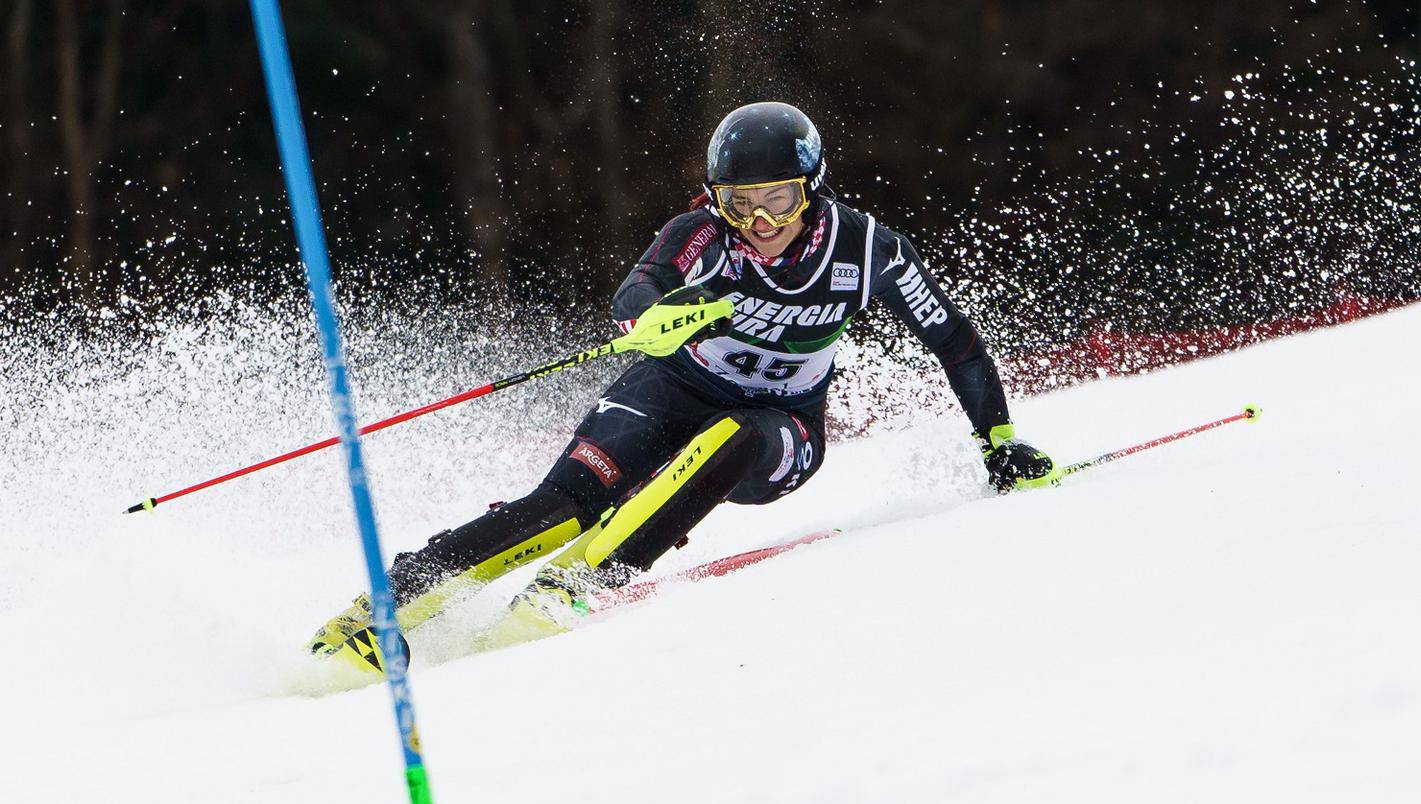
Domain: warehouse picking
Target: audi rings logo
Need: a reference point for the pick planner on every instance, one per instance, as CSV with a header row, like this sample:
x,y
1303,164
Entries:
x,y
844,277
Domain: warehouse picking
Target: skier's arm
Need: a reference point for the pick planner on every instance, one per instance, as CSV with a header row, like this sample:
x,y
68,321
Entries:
x,y
678,251
902,281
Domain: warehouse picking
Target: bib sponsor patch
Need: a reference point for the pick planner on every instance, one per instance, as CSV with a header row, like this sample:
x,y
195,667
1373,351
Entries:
x,y
845,276
595,459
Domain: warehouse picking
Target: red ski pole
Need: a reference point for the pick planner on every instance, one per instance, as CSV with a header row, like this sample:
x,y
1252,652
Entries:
x,y
473,393
660,331
1250,414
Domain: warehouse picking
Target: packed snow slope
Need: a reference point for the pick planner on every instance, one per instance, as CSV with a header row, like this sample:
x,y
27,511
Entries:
x,y
1230,618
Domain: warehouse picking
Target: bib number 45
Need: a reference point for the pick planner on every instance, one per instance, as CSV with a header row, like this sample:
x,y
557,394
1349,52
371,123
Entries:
x,y
748,364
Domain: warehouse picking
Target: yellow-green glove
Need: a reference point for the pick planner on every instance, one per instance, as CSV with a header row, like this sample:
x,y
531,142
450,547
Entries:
x,y
680,315
1014,464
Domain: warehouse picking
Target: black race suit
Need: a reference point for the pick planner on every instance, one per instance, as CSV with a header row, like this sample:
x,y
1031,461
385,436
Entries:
x,y
769,376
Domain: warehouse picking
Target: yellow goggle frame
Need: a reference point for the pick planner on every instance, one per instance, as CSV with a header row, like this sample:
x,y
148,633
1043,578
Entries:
x,y
720,194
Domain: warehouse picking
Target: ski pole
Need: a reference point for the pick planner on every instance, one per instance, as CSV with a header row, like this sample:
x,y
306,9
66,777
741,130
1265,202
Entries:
x,y
648,336
1250,414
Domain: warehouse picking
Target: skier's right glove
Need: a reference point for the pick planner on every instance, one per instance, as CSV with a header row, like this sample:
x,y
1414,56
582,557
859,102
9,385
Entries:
x,y
1014,464
684,314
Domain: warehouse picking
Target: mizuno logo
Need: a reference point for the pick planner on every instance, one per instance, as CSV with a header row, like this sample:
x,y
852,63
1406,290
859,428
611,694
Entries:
x,y
604,405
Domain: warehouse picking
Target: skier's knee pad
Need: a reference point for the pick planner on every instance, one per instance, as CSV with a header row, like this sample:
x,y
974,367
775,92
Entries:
x,y
789,452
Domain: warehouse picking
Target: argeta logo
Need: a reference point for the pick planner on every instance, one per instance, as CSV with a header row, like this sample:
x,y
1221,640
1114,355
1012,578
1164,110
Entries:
x,y
589,455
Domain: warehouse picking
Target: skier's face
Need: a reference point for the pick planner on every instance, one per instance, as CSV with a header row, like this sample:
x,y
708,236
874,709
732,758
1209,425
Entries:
x,y
769,239
768,215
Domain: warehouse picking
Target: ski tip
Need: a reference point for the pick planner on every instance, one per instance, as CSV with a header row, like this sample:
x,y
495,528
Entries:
x,y
1251,412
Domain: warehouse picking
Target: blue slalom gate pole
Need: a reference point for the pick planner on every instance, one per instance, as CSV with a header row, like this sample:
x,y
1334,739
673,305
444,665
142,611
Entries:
x,y
310,236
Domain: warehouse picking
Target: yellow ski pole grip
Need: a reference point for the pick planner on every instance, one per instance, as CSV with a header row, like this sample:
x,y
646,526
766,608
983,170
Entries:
x,y
664,328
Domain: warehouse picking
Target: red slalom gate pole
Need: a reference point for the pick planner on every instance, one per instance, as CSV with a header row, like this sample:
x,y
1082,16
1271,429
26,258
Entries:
x,y
611,347
1250,414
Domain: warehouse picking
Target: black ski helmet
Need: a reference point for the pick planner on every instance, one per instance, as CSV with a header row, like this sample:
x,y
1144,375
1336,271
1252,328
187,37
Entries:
x,y
765,142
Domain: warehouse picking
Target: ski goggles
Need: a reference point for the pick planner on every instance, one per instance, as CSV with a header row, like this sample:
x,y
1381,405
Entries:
x,y
778,202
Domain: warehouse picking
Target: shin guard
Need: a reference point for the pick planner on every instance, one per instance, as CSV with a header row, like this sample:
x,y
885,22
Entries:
x,y
659,515
468,557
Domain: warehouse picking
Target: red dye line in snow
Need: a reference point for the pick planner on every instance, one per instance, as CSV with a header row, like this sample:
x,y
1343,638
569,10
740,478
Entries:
x,y
713,569
1114,353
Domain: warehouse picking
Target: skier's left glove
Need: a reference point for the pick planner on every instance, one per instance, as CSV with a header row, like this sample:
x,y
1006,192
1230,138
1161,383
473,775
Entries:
x,y
684,314
1014,464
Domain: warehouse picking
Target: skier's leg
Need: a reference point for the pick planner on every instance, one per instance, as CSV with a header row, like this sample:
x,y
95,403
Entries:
x,y
739,448
630,432
643,527
748,456
635,427
475,553
462,560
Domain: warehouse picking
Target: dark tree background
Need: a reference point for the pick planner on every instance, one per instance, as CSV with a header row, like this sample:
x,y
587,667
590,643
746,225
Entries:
x,y
528,151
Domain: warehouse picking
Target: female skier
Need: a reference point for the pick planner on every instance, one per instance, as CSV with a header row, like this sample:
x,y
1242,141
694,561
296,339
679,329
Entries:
x,y
734,411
